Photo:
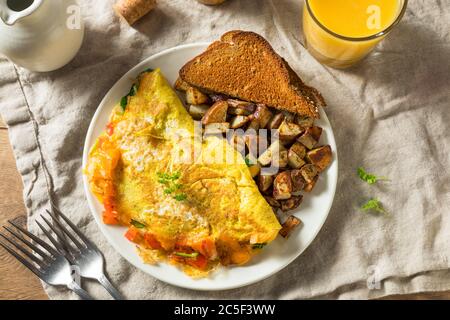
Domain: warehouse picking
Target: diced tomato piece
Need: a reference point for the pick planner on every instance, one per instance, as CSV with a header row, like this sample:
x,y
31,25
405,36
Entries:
x,y
110,217
110,129
152,241
200,262
133,234
209,248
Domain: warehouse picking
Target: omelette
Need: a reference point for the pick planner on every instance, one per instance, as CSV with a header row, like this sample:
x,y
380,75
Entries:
x,y
184,202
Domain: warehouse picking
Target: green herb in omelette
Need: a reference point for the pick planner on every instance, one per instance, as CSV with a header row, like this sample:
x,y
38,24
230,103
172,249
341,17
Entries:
x,y
259,245
180,197
124,101
187,255
169,181
375,205
248,162
137,224
368,177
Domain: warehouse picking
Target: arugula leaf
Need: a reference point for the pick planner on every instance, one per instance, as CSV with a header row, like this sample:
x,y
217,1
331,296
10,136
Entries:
x,y
180,197
375,205
369,178
124,101
137,224
187,255
148,70
259,245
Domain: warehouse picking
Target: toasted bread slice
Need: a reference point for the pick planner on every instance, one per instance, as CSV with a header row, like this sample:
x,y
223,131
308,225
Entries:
x,y
244,65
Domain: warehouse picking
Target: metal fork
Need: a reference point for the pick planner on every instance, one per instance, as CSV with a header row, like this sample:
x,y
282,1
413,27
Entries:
x,y
84,253
47,263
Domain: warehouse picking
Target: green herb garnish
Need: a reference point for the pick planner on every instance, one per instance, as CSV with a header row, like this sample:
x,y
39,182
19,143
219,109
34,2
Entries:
x,y
187,255
369,178
169,180
148,70
259,245
137,224
248,162
180,197
124,101
375,205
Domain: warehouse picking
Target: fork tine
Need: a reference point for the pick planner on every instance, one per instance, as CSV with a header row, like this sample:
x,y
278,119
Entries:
x,y
42,243
50,237
28,243
65,231
62,240
73,227
25,262
23,250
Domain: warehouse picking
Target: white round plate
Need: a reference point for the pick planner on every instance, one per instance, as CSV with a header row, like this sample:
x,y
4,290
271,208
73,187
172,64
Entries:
x,y
313,211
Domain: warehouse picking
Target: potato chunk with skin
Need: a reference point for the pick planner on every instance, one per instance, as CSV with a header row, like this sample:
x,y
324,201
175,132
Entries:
x,y
320,157
272,152
240,108
294,160
181,85
289,225
254,169
298,182
216,128
216,114
198,111
276,121
262,115
304,121
274,203
309,172
282,186
265,182
195,96
288,131
239,121
310,186
292,203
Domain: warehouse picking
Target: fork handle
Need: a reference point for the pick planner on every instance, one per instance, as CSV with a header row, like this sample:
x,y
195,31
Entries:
x,y
104,281
79,291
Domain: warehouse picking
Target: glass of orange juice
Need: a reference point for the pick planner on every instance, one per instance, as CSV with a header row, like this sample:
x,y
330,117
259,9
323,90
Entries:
x,y
339,33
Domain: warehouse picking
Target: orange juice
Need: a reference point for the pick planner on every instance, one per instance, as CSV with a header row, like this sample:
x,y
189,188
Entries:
x,y
339,33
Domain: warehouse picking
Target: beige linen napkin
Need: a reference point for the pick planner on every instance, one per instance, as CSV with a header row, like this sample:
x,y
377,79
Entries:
x,y
390,114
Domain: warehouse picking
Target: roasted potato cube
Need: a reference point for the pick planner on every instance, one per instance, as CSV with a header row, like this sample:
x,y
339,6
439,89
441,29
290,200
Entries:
x,y
288,116
310,186
274,203
254,124
265,182
320,157
316,132
304,121
181,85
289,131
289,225
262,115
276,121
299,149
282,161
217,97
282,186
198,111
238,121
273,151
255,144
240,108
217,113
255,169
195,96
215,128
294,160
308,138
298,182
290,204
309,172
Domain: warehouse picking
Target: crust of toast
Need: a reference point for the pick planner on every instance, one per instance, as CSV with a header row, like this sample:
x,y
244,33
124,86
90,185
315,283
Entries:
x,y
245,66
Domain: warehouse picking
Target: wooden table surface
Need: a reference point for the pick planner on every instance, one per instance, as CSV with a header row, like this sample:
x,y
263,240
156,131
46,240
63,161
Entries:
x,y
17,282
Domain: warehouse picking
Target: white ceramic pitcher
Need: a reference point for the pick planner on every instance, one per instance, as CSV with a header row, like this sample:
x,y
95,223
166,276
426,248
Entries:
x,y
40,35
